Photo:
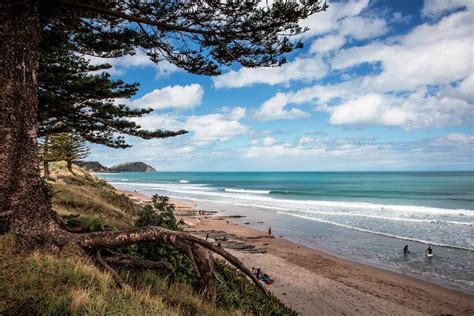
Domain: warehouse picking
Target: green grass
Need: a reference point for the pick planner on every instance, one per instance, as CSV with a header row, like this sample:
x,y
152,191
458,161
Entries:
x,y
90,198
43,284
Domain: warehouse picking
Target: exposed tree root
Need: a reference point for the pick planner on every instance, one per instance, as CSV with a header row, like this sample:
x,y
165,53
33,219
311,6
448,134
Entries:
x,y
185,242
114,273
122,260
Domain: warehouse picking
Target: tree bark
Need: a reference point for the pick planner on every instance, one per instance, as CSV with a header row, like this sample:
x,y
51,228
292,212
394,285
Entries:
x,y
126,261
21,187
69,166
46,157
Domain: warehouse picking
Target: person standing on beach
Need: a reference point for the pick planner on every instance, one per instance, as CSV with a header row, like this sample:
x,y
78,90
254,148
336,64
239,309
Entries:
x,y
269,231
429,251
405,250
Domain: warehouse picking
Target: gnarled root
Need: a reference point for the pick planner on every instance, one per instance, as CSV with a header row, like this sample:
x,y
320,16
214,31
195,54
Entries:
x,y
114,273
192,246
122,260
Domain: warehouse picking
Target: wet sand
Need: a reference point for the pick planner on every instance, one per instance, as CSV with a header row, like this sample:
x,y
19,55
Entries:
x,y
315,283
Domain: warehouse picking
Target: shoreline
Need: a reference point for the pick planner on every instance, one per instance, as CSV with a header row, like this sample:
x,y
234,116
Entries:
x,y
312,281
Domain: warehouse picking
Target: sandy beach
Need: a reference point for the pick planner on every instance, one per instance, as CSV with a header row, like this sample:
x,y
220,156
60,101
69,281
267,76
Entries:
x,y
315,283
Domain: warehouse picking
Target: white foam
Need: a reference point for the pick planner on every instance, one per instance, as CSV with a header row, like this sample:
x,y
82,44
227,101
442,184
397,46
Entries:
x,y
379,233
183,181
260,198
398,219
247,191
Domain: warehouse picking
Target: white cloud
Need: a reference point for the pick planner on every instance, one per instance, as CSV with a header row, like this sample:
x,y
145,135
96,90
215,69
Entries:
x,y
120,65
214,127
429,55
430,58
340,21
415,111
327,43
327,153
435,8
363,28
274,109
238,113
175,97
204,129
299,69
268,141
328,21
466,88
235,113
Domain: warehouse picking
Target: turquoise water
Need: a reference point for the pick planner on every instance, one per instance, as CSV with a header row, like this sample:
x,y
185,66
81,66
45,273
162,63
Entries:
x,y
365,216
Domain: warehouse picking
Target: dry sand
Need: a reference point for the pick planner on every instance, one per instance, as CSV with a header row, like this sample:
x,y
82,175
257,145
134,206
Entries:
x,y
315,283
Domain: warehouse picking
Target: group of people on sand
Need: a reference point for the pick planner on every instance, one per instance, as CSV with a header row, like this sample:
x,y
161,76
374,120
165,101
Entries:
x,y
428,251
202,216
262,276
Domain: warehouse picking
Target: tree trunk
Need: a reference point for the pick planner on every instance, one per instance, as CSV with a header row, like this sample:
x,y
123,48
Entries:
x,y
46,169
21,188
46,157
69,166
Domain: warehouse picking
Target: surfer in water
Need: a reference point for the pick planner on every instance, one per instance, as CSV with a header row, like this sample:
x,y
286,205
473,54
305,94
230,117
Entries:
x,y
429,251
405,250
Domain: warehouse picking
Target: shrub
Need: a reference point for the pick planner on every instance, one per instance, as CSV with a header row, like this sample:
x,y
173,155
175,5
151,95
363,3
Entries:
x,y
161,213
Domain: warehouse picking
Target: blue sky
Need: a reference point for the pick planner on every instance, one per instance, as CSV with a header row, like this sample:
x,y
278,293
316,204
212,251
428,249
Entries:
x,y
380,85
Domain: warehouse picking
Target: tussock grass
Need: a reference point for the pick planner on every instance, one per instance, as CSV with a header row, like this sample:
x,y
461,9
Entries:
x,y
44,284
89,197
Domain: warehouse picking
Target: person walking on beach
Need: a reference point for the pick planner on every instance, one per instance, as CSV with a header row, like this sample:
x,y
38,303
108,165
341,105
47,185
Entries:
x,y
405,250
269,231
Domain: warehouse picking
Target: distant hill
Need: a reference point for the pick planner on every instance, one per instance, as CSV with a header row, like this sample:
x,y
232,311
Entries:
x,y
96,166
93,166
132,167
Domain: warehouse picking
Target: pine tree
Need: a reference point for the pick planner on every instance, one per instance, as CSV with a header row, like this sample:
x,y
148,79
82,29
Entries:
x,y
77,97
197,36
68,147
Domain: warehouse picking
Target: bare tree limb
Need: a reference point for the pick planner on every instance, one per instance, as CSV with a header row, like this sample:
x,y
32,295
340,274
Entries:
x,y
102,240
135,262
117,278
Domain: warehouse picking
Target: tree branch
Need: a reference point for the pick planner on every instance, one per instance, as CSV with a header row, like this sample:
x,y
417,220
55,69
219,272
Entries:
x,y
117,278
101,240
131,18
135,262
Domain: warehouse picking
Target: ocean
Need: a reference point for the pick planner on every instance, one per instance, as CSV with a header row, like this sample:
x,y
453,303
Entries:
x,y
362,216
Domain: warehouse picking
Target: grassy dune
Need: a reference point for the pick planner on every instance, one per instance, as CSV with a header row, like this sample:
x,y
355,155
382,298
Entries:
x,y
67,284
45,284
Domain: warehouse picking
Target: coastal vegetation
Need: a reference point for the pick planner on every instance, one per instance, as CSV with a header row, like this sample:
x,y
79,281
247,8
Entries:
x,y
42,282
48,87
67,147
